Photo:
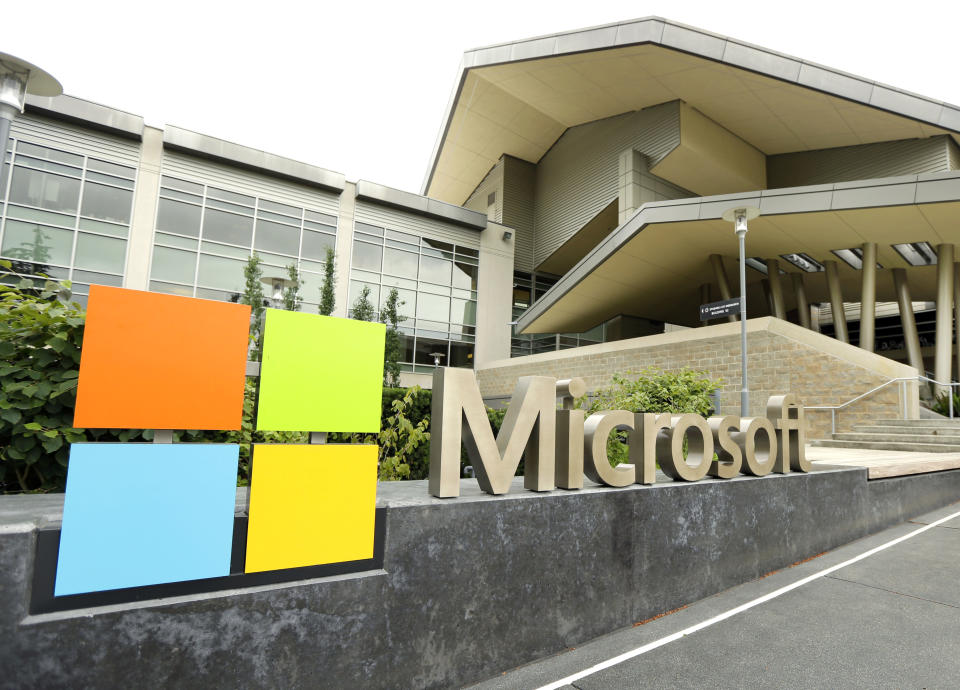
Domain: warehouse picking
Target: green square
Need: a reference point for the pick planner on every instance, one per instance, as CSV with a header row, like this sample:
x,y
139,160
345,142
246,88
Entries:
x,y
320,373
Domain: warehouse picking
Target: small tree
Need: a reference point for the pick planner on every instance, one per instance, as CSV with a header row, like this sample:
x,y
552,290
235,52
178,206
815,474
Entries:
x,y
391,351
363,309
292,297
253,295
400,437
327,296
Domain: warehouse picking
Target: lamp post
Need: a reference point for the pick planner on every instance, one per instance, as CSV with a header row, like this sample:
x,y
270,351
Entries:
x,y
739,217
17,79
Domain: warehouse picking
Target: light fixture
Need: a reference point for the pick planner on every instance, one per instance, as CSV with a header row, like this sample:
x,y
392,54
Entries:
x,y
757,264
507,234
436,357
17,79
804,262
852,257
917,253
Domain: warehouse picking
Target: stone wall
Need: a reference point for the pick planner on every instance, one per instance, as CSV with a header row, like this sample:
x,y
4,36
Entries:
x,y
783,358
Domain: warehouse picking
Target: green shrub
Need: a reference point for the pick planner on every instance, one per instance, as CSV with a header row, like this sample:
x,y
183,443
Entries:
x,y
942,404
653,390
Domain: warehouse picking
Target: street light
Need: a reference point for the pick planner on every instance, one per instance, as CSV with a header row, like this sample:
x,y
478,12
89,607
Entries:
x,y
17,79
739,217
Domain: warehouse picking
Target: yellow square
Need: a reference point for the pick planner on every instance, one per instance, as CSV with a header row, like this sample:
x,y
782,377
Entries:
x,y
310,505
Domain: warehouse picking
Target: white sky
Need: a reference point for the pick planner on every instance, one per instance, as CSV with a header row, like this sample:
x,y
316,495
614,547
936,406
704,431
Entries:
x,y
360,87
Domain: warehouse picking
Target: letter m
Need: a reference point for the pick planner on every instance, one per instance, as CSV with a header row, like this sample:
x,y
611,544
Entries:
x,y
458,414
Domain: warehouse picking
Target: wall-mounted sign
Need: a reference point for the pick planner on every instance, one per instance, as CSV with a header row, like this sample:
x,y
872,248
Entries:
x,y
560,447
717,310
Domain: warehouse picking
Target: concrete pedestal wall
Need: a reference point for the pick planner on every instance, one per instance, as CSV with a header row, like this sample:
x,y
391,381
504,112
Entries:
x,y
469,587
782,358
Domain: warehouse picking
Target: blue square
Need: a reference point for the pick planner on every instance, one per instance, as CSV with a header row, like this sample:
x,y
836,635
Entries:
x,y
140,514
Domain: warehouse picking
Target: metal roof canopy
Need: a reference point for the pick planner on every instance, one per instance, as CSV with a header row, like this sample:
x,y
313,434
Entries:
x,y
653,265
518,98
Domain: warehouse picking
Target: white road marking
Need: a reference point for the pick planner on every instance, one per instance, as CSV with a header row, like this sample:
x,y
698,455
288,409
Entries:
x,y
739,609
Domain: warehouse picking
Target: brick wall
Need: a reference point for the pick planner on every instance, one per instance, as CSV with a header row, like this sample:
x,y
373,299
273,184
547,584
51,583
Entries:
x,y
783,358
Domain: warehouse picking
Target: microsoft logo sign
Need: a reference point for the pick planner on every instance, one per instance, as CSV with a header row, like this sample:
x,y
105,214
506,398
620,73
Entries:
x,y
139,514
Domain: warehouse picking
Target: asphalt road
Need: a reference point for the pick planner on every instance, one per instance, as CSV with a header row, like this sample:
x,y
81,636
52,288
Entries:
x,y
889,620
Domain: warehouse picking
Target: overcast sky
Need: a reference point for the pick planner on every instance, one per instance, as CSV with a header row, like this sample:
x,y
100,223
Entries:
x,y
359,87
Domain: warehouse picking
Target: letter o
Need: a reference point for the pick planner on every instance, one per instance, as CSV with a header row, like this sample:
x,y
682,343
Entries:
x,y
699,449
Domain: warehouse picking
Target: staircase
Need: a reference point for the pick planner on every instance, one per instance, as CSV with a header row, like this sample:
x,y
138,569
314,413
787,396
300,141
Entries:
x,y
924,435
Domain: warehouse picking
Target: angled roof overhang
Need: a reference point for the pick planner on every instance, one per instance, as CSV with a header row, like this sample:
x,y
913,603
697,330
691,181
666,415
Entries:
x,y
518,98
654,264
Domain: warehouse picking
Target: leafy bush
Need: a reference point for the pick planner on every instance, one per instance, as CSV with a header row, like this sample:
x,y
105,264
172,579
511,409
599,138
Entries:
x,y
653,390
942,404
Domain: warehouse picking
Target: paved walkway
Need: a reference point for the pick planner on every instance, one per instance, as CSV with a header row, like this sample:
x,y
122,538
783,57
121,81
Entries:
x,y
884,463
882,612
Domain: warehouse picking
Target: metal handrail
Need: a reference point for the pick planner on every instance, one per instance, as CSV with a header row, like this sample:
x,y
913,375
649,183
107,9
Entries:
x,y
901,380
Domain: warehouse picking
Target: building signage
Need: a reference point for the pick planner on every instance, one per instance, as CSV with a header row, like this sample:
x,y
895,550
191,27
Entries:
x,y
560,447
717,310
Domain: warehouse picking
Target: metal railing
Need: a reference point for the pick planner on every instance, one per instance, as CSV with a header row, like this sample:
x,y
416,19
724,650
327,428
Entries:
x,y
903,397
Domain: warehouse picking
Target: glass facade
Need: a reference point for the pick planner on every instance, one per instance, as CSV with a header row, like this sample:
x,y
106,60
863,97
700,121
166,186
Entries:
x,y
65,215
205,234
527,289
437,283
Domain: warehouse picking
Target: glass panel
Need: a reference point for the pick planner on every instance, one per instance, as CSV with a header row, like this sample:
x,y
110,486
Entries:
x,y
367,256
182,185
106,203
220,295
406,344
4,176
466,251
110,168
233,197
356,287
372,229
226,250
49,166
319,226
437,244
227,227
173,264
184,242
315,244
109,179
464,294
233,208
280,208
403,264
427,347
217,272
403,237
310,286
433,289
45,190
312,266
407,306
463,311
171,289
322,217
435,270
433,307
465,276
461,355
98,253
32,242
98,278
46,217
105,228
276,259
174,216
182,196
398,282
275,237
49,154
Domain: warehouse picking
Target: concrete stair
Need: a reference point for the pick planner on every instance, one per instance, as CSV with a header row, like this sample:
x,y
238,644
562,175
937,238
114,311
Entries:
x,y
914,435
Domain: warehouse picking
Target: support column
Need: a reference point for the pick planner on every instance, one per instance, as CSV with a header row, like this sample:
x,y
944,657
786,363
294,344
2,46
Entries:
x,y
956,315
943,355
767,295
911,340
778,307
868,297
836,302
803,307
720,275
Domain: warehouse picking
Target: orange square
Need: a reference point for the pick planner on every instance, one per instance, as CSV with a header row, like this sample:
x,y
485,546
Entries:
x,y
153,361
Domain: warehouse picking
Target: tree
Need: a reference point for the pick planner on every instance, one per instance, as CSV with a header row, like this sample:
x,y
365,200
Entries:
x,y
253,295
363,309
292,297
327,296
391,350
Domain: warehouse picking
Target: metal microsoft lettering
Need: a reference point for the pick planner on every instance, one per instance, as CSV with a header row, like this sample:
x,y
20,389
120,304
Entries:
x,y
562,446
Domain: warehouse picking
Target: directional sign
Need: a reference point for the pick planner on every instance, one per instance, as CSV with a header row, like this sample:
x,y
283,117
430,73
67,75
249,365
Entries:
x,y
717,310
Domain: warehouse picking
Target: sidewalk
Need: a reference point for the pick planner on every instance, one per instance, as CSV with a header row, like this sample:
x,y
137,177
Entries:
x,y
889,620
